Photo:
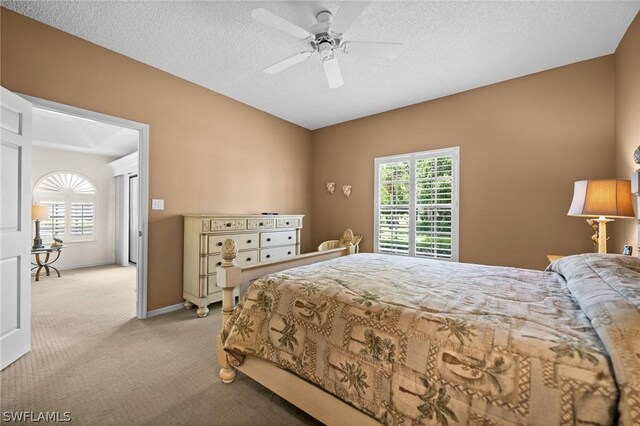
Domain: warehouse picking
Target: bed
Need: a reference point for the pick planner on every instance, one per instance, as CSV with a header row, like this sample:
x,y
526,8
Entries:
x,y
370,338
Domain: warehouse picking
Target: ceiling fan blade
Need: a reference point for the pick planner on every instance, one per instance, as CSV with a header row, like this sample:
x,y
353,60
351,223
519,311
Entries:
x,y
371,48
332,71
348,12
273,20
289,62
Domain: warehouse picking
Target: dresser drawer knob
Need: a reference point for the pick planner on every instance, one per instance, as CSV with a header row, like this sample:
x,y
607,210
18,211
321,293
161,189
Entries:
x,y
287,223
248,259
219,263
290,237
288,252
268,239
248,241
219,244
261,224
268,256
228,224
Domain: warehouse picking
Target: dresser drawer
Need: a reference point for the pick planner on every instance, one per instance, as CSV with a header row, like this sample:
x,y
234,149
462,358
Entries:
x,y
271,239
247,258
277,253
228,224
243,241
243,258
260,224
288,222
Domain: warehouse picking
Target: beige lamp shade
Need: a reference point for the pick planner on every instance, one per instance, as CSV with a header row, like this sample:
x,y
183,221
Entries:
x,y
39,212
602,197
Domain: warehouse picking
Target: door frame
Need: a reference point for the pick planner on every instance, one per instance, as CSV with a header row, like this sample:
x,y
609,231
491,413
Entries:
x,y
143,173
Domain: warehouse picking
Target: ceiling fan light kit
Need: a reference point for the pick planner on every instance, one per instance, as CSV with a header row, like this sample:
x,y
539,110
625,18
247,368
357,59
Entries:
x,y
325,39
332,71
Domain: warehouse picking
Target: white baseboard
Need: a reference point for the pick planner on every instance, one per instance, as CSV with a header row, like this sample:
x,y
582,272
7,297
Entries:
x,y
87,265
165,310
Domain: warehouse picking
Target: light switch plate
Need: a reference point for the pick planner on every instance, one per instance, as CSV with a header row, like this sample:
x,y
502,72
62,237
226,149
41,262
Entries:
x,y
157,204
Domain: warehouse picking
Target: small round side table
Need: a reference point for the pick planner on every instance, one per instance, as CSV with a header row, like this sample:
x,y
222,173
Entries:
x,y
47,261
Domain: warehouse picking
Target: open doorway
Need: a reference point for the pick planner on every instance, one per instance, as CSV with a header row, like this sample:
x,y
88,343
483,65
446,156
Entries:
x,y
99,205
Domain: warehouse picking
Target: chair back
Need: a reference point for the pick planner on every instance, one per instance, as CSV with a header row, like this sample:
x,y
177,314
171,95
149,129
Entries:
x,y
329,245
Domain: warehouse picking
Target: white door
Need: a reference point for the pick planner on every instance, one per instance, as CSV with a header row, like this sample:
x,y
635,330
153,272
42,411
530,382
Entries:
x,y
15,227
134,214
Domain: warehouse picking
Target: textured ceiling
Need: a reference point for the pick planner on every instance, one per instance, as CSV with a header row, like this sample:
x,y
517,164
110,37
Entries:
x,y
449,47
67,132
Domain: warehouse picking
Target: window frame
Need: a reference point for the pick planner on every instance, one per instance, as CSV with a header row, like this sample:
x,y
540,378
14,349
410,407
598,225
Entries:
x,y
68,199
412,158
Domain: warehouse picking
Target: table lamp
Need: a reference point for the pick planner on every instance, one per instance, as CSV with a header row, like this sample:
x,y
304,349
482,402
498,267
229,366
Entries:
x,y
38,213
604,199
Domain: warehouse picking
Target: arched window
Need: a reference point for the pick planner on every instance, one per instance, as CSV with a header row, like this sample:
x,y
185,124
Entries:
x,y
72,206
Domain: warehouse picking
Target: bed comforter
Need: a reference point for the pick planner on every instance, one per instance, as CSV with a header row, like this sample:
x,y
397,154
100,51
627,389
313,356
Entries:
x,y
415,341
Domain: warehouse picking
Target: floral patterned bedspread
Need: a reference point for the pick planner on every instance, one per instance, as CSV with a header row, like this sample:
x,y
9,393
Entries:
x,y
607,287
416,341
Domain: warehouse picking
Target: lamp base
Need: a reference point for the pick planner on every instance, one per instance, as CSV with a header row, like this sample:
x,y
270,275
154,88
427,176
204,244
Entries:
x,y
37,244
602,233
37,241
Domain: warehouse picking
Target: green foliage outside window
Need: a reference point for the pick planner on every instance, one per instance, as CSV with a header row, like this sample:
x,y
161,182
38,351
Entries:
x,y
433,192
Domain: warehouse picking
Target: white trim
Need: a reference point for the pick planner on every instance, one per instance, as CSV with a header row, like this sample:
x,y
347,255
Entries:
x,y
143,246
376,199
412,207
125,165
165,310
86,265
455,208
143,173
455,220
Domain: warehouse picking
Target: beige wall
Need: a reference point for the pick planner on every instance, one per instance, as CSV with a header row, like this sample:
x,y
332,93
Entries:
x,y
208,153
627,123
522,145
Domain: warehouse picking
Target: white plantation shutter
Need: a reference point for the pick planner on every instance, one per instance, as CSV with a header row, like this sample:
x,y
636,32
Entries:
x,y
434,207
393,209
417,204
82,218
54,227
72,206
65,182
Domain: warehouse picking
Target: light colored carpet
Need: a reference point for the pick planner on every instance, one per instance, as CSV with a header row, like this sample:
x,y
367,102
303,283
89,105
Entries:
x,y
92,358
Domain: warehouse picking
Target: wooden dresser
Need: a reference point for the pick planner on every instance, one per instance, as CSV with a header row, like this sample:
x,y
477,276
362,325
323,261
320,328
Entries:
x,y
259,238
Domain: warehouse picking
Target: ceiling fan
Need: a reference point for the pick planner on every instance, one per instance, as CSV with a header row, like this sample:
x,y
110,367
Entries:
x,y
325,39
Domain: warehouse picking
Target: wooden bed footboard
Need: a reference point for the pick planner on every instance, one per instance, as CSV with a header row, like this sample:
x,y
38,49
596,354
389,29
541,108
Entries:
x,y
305,395
230,277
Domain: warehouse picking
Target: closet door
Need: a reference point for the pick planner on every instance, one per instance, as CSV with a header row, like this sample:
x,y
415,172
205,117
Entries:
x,y
134,216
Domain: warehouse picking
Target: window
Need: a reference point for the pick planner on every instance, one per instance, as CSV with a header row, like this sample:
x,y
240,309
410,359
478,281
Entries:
x,y
416,204
54,227
72,204
81,219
